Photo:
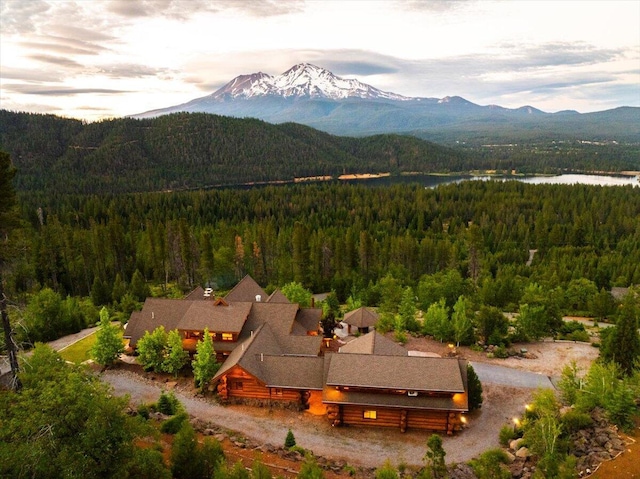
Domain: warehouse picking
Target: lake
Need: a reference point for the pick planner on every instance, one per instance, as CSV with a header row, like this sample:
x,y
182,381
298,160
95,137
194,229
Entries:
x,y
431,181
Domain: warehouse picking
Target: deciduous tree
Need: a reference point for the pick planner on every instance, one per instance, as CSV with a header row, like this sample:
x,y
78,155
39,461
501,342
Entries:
x,y
108,345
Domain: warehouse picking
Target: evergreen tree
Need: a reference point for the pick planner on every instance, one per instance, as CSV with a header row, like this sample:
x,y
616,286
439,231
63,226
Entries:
x,y
290,440
475,388
623,343
204,362
176,357
139,287
108,345
186,460
434,457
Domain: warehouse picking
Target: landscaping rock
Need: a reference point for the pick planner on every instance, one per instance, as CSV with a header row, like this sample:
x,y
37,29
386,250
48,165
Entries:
x,y
522,452
515,444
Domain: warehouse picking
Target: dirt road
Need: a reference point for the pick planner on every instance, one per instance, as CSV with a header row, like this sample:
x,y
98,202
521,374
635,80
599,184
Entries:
x,y
365,447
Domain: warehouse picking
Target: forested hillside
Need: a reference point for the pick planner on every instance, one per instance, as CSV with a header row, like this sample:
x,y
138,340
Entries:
x,y
334,236
191,151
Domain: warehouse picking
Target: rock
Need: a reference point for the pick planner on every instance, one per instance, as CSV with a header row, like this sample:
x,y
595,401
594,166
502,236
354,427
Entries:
x,y
517,468
220,437
171,385
510,456
208,432
522,452
239,444
602,439
515,444
461,471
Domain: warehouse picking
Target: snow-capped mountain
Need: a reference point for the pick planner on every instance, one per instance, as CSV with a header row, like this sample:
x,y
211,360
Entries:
x,y
315,97
301,81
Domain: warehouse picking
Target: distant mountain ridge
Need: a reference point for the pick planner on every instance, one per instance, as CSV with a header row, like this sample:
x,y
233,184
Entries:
x,y
315,97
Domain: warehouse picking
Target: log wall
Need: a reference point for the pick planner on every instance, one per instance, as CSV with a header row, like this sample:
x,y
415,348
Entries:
x,y
441,421
252,388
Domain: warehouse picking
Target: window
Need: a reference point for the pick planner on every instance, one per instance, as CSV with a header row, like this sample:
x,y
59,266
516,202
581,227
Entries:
x,y
236,385
227,337
277,392
370,415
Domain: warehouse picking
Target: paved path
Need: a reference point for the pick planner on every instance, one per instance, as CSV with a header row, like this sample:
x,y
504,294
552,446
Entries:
x,y
490,373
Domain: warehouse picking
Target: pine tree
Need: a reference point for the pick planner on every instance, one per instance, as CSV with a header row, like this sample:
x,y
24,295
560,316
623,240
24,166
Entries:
x,y
475,389
434,457
290,440
623,343
108,345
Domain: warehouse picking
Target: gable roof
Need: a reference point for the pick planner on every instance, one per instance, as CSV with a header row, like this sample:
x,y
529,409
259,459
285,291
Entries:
x,y
246,290
277,297
207,314
373,343
156,312
395,372
306,320
361,318
197,293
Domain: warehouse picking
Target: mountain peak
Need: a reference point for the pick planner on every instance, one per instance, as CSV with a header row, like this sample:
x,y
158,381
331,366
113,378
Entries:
x,y
303,80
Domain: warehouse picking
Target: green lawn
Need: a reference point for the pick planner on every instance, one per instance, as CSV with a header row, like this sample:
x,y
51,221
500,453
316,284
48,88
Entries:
x,y
79,352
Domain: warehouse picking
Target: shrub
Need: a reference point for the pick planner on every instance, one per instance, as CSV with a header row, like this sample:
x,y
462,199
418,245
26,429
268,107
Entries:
x,y
168,404
290,440
173,425
400,336
143,411
500,352
491,465
573,421
507,434
386,471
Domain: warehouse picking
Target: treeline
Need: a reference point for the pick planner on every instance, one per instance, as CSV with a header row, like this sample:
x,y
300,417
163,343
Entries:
x,y
332,236
191,151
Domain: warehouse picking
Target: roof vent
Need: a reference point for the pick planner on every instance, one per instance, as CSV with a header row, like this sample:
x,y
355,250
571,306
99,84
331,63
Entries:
x,y
261,357
258,298
153,315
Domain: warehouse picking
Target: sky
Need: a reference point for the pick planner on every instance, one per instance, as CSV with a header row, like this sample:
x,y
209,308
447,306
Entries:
x,y
96,59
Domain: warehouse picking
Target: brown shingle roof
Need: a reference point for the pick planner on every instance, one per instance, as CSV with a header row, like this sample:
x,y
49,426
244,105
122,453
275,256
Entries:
x,y
197,293
292,372
361,318
205,314
307,319
277,297
395,372
246,290
156,312
374,343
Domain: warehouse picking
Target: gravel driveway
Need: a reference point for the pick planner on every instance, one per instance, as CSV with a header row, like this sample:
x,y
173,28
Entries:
x,y
492,374
357,446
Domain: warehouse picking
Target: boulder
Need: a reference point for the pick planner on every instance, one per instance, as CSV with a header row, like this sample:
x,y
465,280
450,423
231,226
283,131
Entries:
x,y
523,452
515,444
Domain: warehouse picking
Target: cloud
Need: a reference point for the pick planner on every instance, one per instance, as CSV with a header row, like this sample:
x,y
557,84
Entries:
x,y
58,91
182,10
131,71
439,6
80,35
30,75
64,49
59,61
19,16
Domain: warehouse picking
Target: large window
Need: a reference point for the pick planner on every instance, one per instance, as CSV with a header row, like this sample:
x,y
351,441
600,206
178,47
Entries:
x,y
370,415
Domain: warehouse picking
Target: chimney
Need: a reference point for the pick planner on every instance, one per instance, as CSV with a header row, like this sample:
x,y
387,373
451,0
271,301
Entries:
x,y
258,298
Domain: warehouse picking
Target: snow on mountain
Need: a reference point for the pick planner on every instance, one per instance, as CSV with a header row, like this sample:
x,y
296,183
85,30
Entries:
x,y
302,80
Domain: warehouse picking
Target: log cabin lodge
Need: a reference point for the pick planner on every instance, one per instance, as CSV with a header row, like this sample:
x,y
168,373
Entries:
x,y
272,351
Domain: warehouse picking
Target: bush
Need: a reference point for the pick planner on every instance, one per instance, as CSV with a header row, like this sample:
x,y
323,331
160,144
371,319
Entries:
x,y
386,471
143,411
168,404
507,434
173,425
501,352
573,421
491,465
290,440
